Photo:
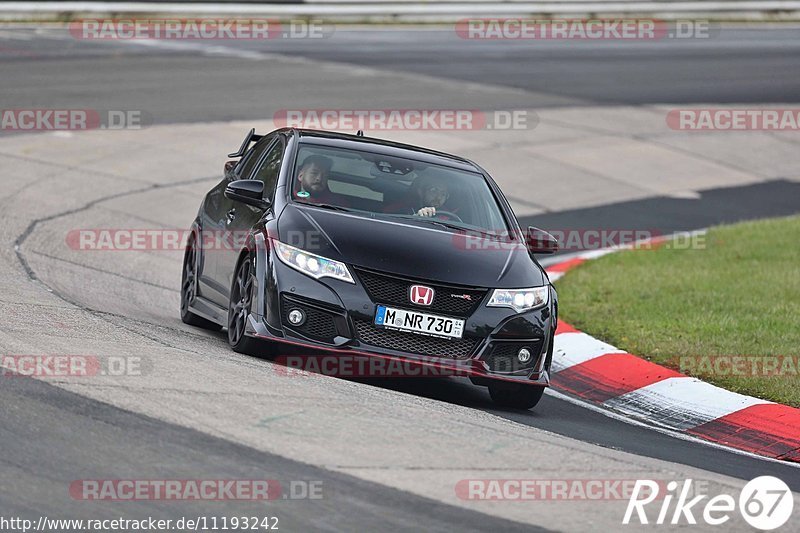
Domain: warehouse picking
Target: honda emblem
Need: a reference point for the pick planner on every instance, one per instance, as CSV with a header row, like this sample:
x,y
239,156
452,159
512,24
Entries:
x,y
420,295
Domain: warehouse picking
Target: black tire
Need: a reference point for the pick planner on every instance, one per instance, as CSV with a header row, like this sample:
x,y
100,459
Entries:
x,y
517,396
189,290
239,310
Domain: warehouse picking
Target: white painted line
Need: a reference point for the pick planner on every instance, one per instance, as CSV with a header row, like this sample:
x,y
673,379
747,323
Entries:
x,y
681,402
554,275
594,254
571,349
206,49
550,261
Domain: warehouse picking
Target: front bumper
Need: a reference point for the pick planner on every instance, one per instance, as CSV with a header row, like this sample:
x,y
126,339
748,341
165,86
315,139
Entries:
x,y
340,321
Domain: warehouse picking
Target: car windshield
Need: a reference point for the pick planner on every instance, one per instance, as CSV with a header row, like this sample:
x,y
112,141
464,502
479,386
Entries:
x,y
377,185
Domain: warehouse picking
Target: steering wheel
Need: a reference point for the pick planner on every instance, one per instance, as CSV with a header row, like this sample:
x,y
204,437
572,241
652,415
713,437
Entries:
x,y
448,214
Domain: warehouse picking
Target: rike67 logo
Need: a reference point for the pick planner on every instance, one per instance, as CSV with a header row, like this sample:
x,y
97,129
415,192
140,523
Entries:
x,y
765,503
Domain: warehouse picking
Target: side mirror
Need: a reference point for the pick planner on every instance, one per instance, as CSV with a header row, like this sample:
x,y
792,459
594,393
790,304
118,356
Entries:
x,y
230,166
248,192
540,242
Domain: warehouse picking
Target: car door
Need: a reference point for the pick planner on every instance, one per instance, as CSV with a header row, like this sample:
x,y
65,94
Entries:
x,y
210,216
241,217
219,212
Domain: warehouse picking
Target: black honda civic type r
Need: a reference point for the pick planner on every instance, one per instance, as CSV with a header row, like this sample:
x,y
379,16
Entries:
x,y
346,245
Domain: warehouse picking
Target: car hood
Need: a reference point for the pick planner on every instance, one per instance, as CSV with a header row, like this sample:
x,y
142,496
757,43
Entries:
x,y
408,249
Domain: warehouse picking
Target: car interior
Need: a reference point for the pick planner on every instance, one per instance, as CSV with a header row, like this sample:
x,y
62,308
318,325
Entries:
x,y
371,182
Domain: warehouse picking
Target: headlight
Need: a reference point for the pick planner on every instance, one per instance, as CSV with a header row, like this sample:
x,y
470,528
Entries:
x,y
313,265
520,299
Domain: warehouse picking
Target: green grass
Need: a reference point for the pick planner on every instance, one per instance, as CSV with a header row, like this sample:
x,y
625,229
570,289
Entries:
x,y
737,296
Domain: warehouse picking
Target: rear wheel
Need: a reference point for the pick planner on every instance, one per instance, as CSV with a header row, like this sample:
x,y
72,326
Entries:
x,y
189,289
516,395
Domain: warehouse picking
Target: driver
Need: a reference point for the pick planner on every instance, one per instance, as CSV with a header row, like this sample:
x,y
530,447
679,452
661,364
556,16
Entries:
x,y
426,194
312,180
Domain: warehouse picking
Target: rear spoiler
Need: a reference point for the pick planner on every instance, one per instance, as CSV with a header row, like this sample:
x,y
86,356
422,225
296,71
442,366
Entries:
x,y
251,137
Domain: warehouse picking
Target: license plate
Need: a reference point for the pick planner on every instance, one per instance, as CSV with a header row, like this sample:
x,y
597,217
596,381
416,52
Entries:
x,y
422,323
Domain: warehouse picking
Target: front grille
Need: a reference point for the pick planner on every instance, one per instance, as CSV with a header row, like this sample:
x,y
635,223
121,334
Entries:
x,y
388,289
413,343
502,356
319,324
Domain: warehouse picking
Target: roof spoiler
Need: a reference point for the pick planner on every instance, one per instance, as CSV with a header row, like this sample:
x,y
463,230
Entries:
x,y
251,137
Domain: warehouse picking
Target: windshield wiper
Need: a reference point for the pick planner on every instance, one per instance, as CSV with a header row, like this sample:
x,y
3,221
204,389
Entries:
x,y
462,228
448,225
327,206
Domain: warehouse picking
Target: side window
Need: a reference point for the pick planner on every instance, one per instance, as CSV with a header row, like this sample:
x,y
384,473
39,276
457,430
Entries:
x,y
252,157
270,168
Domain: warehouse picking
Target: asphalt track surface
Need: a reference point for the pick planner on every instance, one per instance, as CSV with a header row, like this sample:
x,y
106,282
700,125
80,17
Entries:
x,y
37,415
732,66
49,435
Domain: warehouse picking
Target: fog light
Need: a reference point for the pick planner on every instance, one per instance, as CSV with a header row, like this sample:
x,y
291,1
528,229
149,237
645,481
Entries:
x,y
524,355
297,317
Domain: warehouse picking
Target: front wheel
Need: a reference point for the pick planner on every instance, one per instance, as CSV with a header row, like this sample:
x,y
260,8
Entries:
x,y
239,312
516,395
